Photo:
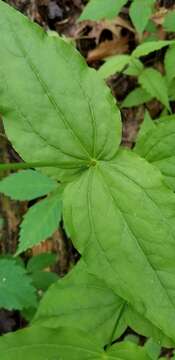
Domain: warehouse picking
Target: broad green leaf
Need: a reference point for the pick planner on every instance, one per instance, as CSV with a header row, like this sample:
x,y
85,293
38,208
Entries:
x,y
169,22
40,222
147,125
136,97
113,65
151,46
82,300
169,63
16,290
158,148
140,12
39,343
27,185
128,351
99,9
126,202
154,83
41,261
42,117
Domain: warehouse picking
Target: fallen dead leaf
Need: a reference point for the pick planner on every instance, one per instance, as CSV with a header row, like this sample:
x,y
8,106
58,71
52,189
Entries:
x,y
108,48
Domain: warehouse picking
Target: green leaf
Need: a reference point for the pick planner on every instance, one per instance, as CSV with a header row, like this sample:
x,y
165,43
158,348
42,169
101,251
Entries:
x,y
136,97
157,147
151,46
42,280
169,22
42,116
82,300
85,300
99,9
113,65
41,261
169,63
118,63
147,125
154,83
152,29
128,351
28,314
132,338
40,222
140,12
18,260
153,349
126,202
135,67
39,343
27,185
141,325
164,117
16,290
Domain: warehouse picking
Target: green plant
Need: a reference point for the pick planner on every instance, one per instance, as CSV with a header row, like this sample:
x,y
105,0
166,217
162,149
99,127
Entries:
x,y
45,215
99,9
21,288
16,290
156,144
152,83
139,11
117,207
64,343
